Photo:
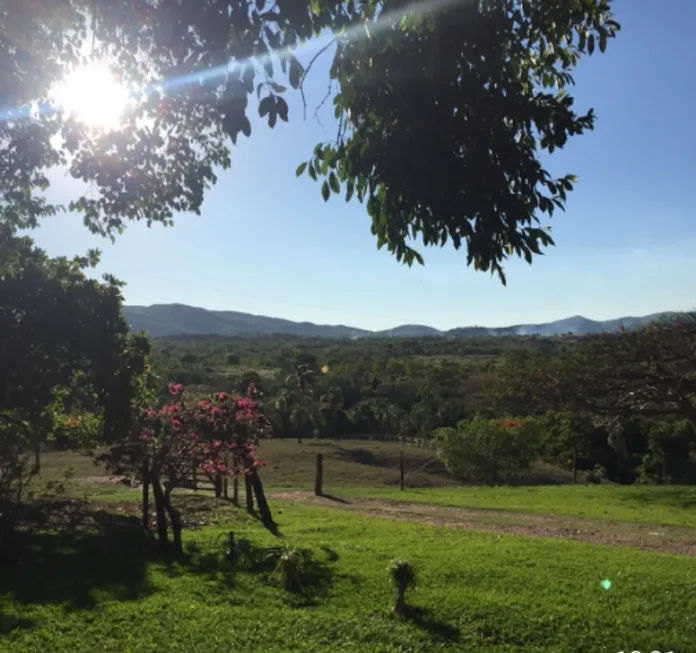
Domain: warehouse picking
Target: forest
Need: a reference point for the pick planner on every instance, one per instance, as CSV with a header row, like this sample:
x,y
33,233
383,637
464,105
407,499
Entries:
x,y
416,389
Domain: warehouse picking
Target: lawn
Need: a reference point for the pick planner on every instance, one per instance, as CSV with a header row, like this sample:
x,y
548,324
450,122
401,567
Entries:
x,y
106,591
668,505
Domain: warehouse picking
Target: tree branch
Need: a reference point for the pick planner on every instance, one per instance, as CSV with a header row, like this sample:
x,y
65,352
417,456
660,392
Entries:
x,y
306,72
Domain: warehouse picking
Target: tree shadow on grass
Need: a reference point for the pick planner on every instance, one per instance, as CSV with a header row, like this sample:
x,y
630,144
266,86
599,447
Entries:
x,y
665,496
438,630
314,581
79,568
333,497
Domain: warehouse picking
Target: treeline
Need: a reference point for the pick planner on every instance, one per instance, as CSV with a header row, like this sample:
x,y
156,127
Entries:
x,y
413,387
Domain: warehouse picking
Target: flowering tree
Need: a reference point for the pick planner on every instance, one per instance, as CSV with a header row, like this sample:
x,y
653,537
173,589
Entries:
x,y
216,435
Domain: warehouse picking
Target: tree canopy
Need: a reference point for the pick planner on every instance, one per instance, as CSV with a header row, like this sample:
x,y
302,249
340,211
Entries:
x,y
444,109
648,371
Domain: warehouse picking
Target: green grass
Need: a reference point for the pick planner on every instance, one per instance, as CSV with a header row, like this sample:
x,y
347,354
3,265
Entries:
x,y
668,505
479,593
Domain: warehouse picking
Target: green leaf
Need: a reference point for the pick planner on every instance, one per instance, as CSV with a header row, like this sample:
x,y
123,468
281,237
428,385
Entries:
x,y
591,44
603,41
265,106
295,73
333,183
312,171
350,189
300,169
282,108
325,191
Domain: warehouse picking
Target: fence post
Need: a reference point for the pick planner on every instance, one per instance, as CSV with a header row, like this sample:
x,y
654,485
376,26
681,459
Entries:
x,y
319,478
401,469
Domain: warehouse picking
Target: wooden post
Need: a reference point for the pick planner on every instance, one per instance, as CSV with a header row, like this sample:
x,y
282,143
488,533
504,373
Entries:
x,y
235,490
401,470
319,477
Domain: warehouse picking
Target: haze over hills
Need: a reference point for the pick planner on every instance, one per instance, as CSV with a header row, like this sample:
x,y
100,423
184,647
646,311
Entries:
x,y
161,320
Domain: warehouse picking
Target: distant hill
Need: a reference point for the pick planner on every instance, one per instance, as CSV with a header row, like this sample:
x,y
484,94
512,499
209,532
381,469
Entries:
x,y
162,320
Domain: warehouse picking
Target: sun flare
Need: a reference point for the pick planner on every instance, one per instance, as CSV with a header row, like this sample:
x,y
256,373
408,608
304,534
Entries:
x,y
93,96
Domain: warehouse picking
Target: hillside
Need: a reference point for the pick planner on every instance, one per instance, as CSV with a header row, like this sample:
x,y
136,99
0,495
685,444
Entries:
x,y
161,320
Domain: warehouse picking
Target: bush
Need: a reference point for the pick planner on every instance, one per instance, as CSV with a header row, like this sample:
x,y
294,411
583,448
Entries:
x,y
488,451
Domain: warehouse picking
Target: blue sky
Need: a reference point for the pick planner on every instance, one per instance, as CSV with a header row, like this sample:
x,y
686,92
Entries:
x,y
267,243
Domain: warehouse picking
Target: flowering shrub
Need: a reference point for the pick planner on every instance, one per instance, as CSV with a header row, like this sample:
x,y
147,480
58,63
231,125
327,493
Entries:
x,y
216,435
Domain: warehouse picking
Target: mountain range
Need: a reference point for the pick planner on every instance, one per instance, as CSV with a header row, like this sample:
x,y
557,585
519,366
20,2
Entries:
x,y
161,320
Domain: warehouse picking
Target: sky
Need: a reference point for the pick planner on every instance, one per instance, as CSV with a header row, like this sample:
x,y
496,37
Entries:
x,y
267,243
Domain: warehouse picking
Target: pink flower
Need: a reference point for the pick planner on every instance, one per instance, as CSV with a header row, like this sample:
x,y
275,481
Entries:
x,y
252,389
222,396
176,423
204,404
150,414
176,388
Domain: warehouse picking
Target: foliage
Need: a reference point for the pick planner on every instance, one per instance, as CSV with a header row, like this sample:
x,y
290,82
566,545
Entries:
x,y
489,77
647,372
70,369
444,114
566,438
490,451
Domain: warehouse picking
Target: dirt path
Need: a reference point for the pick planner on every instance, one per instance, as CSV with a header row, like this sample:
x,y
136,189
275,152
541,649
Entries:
x,y
663,539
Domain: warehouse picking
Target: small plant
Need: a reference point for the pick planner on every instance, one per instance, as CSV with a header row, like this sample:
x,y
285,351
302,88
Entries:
x,y
403,575
290,567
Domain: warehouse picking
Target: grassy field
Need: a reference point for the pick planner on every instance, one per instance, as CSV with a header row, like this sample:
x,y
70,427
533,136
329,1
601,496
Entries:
x,y
347,464
668,505
105,591
91,581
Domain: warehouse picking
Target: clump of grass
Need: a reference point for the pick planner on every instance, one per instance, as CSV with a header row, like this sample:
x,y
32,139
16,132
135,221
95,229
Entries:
x,y
403,576
291,564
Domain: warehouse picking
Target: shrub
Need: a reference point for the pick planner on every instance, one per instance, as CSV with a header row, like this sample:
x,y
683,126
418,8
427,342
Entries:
x,y
488,451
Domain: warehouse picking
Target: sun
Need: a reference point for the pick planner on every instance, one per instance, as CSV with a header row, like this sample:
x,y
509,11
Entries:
x,y
93,96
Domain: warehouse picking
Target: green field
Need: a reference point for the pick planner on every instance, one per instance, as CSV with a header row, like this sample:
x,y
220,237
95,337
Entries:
x,y
492,578
667,505
80,593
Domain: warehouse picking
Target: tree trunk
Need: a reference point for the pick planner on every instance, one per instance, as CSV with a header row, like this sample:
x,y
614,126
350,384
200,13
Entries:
x,y
218,486
160,510
146,500
249,493
264,510
37,457
575,466
664,468
235,490
175,517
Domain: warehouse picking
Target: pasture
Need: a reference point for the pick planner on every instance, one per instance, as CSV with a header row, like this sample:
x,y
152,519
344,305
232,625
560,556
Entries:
x,y
498,570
